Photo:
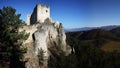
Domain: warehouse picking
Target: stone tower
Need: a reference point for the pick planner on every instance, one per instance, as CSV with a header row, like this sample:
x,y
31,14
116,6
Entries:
x,y
40,13
28,19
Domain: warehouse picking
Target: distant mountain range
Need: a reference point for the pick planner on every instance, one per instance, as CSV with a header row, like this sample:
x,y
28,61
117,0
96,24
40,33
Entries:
x,y
110,27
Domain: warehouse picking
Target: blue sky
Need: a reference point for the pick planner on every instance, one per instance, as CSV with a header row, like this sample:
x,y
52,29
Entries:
x,y
73,13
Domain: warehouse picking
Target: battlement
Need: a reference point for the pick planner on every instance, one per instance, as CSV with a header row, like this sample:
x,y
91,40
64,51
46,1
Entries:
x,y
39,14
43,5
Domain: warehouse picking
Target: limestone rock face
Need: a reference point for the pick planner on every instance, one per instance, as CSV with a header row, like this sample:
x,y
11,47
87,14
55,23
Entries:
x,y
45,36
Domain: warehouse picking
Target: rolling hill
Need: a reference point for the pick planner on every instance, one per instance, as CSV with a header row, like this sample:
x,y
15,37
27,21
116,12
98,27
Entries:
x,y
107,40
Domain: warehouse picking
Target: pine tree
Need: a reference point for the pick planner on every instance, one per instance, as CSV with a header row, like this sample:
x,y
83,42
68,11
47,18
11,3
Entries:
x,y
10,38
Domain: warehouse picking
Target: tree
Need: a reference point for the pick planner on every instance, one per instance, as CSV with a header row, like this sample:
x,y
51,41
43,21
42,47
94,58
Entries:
x,y
41,57
11,39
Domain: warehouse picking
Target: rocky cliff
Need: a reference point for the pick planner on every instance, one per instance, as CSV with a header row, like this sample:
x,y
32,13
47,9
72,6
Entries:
x,y
44,39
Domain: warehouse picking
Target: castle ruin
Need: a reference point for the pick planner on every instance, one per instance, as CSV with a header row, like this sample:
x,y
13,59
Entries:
x,y
39,14
44,34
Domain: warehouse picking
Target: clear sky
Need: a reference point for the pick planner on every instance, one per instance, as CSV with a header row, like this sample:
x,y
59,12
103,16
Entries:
x,y
73,13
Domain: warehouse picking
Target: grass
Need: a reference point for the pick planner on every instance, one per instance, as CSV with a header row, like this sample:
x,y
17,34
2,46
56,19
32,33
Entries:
x,y
111,46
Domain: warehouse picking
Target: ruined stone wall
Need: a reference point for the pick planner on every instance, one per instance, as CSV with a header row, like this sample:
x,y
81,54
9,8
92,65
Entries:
x,y
29,29
39,14
43,12
33,18
28,19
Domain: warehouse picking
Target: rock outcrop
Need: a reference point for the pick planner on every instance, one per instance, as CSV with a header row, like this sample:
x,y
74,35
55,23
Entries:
x,y
44,36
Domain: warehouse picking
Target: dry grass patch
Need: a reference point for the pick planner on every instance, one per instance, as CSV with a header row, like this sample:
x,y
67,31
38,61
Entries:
x,y
111,46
